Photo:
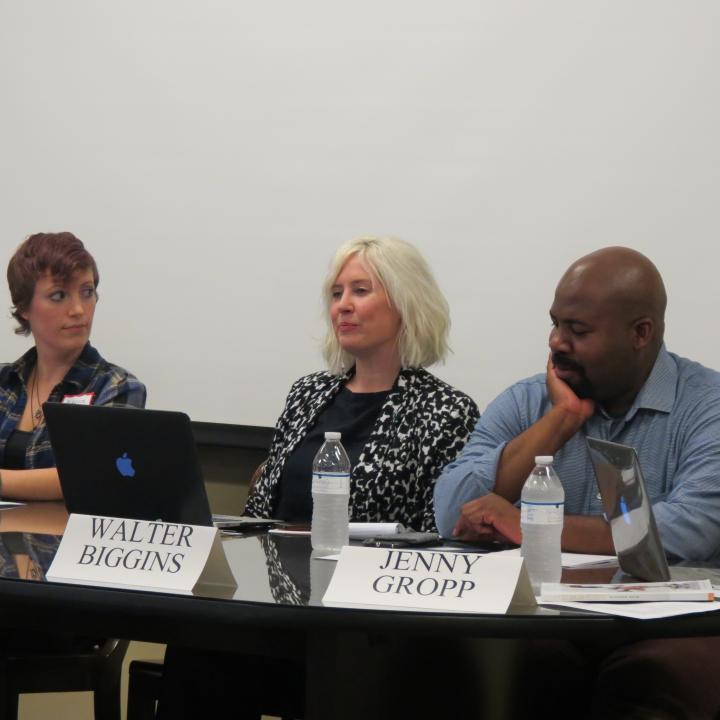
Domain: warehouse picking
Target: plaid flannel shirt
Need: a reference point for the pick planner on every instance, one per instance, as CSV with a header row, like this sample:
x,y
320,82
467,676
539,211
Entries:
x,y
109,384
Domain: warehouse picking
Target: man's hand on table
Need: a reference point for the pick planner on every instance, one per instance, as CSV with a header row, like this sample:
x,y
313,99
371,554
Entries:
x,y
489,517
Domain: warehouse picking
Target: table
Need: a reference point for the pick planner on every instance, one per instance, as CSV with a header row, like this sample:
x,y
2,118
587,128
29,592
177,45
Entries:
x,y
276,608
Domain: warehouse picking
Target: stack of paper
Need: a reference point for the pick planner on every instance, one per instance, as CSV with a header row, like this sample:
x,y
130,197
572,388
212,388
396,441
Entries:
x,y
671,591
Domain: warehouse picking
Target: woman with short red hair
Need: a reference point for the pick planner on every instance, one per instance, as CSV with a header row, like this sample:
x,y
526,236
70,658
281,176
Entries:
x,y
53,283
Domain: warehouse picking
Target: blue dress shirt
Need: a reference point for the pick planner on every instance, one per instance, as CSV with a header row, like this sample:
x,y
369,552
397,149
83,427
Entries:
x,y
674,425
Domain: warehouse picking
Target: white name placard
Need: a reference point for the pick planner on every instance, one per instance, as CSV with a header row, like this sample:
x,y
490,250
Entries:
x,y
152,555
429,580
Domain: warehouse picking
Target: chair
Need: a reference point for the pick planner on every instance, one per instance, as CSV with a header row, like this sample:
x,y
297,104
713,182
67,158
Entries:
x,y
145,680
96,669
145,677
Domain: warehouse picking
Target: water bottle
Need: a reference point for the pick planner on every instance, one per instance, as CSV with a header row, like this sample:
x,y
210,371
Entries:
x,y
321,572
541,521
331,495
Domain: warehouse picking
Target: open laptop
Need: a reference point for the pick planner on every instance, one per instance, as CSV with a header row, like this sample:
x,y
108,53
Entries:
x,y
629,511
123,462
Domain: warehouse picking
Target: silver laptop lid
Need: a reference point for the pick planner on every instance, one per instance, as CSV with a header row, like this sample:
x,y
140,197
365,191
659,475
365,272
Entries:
x,y
628,510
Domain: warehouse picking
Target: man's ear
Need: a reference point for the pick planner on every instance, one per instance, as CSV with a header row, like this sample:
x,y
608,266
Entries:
x,y
643,332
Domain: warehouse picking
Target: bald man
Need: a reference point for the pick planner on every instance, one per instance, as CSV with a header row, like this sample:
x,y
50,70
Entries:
x,y
608,376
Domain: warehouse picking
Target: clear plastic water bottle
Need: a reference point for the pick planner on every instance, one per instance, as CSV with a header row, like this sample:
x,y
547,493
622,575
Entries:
x,y
321,572
541,521
331,495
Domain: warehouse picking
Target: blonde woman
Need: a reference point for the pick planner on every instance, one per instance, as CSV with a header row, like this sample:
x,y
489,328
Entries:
x,y
387,321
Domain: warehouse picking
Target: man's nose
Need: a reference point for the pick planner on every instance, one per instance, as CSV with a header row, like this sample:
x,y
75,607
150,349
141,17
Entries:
x,y
558,341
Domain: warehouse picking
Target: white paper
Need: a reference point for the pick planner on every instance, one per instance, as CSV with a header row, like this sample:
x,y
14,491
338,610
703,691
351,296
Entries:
x,y
362,530
570,560
358,531
288,531
643,610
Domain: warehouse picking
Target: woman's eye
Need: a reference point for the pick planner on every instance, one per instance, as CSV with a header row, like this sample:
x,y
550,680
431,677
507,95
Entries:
x,y
57,296
336,294
88,292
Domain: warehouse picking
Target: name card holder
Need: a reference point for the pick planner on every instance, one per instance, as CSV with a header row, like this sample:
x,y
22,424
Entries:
x,y
151,555
430,580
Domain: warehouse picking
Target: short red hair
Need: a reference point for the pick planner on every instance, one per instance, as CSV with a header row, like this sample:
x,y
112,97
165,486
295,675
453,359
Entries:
x,y
60,254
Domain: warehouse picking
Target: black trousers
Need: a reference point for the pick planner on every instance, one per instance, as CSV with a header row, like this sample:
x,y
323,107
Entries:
x,y
198,684
384,678
665,679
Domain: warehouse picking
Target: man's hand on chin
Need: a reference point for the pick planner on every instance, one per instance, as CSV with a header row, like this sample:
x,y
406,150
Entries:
x,y
489,517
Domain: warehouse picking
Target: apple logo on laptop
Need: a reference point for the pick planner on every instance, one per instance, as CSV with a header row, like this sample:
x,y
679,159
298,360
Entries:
x,y
125,466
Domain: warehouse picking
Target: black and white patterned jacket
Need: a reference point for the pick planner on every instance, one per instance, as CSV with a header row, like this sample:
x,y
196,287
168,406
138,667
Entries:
x,y
422,426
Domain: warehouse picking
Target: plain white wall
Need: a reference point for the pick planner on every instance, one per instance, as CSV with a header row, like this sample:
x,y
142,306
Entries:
x,y
212,155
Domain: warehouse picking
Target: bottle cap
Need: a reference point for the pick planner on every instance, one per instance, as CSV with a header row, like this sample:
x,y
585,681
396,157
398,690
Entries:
x,y
337,436
539,459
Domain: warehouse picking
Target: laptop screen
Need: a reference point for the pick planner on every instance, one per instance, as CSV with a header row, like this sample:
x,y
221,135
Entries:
x,y
628,510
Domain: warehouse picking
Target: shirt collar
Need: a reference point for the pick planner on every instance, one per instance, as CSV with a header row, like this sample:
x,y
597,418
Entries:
x,y
658,392
23,366
85,366
78,375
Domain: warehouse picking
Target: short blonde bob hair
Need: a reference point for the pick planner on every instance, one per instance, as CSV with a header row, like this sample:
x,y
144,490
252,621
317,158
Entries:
x,y
411,290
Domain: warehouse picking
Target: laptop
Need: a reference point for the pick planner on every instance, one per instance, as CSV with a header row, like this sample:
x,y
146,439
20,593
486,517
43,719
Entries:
x,y
124,462
629,512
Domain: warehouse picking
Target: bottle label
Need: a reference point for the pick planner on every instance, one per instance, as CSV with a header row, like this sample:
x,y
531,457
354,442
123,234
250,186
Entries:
x,y
331,483
537,513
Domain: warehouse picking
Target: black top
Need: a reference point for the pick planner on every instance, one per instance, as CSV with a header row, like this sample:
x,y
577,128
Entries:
x,y
16,449
420,428
353,415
